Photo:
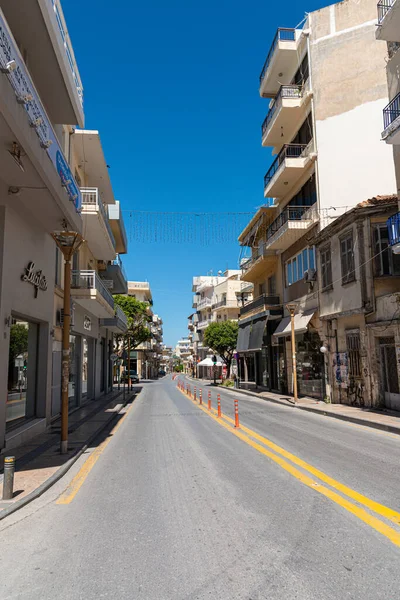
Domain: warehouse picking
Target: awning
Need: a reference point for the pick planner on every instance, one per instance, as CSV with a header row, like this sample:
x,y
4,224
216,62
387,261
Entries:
x,y
250,337
257,334
207,362
301,322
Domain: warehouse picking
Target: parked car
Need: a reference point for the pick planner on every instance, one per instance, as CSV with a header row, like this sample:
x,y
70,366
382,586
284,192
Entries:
x,y
161,373
134,377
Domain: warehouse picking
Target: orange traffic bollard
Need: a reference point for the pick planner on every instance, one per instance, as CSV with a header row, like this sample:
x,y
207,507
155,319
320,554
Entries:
x,y
194,397
209,400
219,404
237,413
201,397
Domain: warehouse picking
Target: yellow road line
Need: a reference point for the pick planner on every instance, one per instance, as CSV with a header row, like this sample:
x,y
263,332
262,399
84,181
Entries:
x,y
80,477
363,515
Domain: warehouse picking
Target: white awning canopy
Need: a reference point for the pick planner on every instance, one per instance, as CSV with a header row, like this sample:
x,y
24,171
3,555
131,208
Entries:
x,y
301,322
207,362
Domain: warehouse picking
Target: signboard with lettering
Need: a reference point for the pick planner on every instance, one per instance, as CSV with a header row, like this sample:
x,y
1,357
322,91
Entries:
x,y
36,278
12,64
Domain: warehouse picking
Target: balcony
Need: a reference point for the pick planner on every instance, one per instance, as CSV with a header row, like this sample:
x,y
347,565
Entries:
x,y
40,28
97,228
115,275
388,21
118,227
118,323
195,301
88,290
393,224
281,62
261,304
204,303
263,262
290,164
290,226
225,303
285,115
391,121
39,160
203,324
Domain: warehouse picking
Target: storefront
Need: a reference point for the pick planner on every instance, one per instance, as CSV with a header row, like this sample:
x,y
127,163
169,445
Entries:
x,y
309,359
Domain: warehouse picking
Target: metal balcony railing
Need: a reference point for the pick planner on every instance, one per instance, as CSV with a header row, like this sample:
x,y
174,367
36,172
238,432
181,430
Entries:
x,y
56,5
393,225
89,280
288,151
204,303
119,313
283,34
91,199
285,91
118,262
263,300
291,213
383,8
391,111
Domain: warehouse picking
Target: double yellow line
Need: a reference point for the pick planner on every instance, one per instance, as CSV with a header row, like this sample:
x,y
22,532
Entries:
x,y
281,457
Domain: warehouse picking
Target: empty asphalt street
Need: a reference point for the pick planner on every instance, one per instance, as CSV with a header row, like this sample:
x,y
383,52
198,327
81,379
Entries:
x,y
176,503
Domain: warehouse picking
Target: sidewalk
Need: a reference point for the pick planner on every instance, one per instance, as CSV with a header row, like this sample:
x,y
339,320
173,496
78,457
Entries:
x,y
385,420
39,463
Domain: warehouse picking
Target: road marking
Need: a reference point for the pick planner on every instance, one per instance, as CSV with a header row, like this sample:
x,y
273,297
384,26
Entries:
x,y
80,478
389,532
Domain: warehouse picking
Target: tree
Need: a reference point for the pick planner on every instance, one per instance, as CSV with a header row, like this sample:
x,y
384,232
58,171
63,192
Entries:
x,y
18,340
221,337
138,319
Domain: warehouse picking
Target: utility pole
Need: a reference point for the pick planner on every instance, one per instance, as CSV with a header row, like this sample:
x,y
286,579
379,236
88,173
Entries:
x,y
129,362
292,310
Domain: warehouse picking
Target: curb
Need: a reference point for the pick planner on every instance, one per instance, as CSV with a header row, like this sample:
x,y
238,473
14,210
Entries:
x,y
348,418
60,472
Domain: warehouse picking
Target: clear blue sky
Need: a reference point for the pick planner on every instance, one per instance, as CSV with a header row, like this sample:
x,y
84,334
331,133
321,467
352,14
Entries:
x,y
173,89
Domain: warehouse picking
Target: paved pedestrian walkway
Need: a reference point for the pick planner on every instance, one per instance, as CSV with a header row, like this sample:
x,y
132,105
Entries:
x,y
379,419
39,462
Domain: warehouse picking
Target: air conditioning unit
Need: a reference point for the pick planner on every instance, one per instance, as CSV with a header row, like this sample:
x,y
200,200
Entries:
x,y
310,275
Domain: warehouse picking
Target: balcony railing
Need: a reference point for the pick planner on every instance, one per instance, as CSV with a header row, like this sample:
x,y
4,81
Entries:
x,y
257,253
204,303
119,313
288,151
203,324
263,300
393,225
139,285
118,262
383,8
283,34
89,280
285,91
391,111
291,213
68,47
90,200
227,303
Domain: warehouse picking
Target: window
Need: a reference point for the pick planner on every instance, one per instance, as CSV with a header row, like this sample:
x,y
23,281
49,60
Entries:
x,y
307,195
272,285
347,259
261,289
326,268
385,262
302,72
57,278
353,350
296,266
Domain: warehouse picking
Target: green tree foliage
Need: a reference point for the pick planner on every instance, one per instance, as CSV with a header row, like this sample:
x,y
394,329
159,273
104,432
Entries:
x,y
138,319
18,340
221,337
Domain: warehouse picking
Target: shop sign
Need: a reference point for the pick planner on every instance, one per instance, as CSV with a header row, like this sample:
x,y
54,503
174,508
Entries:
x,y
87,323
28,97
36,278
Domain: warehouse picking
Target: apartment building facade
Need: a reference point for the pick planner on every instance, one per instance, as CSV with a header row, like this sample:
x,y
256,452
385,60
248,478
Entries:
x,y
326,87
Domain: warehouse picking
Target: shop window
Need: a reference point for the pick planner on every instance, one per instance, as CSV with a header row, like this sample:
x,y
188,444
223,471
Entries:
x,y
347,258
385,262
22,372
326,268
353,351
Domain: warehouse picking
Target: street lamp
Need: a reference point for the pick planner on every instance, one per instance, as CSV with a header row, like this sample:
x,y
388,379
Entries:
x,y
68,242
292,310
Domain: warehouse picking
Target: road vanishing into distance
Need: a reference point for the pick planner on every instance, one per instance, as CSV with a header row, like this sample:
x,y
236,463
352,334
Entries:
x,y
175,503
